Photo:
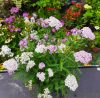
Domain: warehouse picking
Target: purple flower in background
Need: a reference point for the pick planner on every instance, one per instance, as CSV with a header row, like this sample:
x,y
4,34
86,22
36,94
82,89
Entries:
x,y
10,19
14,10
75,31
23,43
25,14
41,65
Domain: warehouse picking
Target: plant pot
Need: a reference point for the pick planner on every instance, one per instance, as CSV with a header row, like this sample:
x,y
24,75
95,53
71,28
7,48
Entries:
x,y
88,87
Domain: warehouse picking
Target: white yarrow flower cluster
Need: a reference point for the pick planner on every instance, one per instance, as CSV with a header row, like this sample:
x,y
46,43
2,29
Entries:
x,y
11,65
29,85
46,94
25,57
50,72
30,64
71,82
62,47
6,51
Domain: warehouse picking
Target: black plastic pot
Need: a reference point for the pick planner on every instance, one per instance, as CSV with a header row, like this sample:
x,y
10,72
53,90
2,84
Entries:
x,y
88,86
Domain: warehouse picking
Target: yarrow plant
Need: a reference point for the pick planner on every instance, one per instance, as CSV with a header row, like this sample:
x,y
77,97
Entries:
x,y
46,54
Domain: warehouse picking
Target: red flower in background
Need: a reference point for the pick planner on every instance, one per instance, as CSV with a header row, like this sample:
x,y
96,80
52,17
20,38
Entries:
x,y
78,5
51,9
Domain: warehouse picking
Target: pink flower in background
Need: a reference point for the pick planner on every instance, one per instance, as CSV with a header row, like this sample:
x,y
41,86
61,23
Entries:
x,y
87,33
23,43
25,14
52,48
83,57
14,10
41,65
41,76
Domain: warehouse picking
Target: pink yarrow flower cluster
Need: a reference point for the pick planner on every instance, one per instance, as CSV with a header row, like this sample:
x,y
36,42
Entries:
x,y
54,23
52,48
41,65
83,56
51,21
86,32
11,65
23,43
41,76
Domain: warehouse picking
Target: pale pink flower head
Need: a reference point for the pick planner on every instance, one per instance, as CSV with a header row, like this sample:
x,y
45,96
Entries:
x,y
44,23
83,56
11,65
41,48
41,65
54,23
23,43
41,76
46,36
52,48
87,33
